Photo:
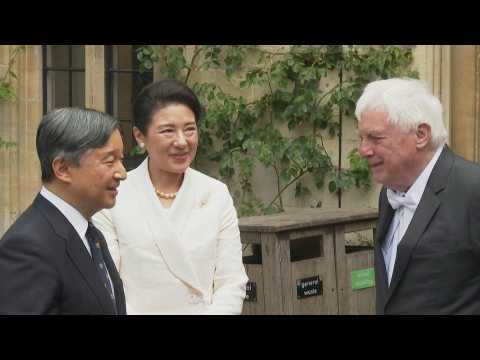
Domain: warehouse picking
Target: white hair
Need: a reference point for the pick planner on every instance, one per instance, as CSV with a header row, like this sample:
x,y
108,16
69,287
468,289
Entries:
x,y
407,102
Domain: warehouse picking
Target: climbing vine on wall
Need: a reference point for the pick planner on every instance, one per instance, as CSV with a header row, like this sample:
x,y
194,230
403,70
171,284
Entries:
x,y
7,92
305,89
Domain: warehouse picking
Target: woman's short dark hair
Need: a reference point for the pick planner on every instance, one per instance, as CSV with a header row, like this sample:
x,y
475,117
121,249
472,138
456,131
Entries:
x,y
159,95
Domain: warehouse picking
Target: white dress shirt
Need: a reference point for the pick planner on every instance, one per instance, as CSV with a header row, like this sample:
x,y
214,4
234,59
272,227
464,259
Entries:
x,y
79,223
403,215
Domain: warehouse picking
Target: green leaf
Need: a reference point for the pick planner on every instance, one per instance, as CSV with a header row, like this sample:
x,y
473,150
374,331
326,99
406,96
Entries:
x,y
332,186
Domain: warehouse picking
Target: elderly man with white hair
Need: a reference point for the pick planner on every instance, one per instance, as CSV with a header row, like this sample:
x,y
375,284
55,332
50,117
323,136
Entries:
x,y
427,246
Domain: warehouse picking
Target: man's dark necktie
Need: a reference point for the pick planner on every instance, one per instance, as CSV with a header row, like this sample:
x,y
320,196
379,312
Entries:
x,y
93,238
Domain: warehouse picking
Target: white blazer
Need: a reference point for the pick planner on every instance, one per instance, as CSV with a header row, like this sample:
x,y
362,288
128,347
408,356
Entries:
x,y
183,260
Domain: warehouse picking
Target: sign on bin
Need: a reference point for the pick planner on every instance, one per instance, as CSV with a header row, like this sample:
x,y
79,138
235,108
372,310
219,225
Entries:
x,y
362,279
311,286
251,293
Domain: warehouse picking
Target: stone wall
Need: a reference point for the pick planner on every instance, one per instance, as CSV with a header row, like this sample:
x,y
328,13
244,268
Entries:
x,y
19,166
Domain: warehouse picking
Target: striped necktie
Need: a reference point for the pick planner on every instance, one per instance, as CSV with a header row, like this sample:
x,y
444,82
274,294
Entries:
x,y
93,236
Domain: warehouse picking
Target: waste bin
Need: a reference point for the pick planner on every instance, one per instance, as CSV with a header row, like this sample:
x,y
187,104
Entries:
x,y
299,263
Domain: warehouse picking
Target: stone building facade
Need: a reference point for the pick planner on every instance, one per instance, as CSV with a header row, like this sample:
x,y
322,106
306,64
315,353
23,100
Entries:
x,y
97,76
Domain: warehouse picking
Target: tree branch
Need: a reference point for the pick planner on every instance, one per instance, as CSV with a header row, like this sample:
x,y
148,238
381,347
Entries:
x,y
278,186
195,54
286,186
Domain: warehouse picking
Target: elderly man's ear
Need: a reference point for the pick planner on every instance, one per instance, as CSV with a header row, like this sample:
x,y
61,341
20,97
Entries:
x,y
61,169
424,134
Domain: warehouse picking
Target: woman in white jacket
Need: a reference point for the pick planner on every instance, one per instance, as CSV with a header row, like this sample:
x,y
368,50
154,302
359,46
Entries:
x,y
173,232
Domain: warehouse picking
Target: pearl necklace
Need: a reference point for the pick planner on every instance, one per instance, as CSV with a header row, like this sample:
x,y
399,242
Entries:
x,y
166,195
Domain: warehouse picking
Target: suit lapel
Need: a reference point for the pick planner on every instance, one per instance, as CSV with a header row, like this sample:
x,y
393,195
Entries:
x,y
166,234
426,209
76,251
386,216
423,216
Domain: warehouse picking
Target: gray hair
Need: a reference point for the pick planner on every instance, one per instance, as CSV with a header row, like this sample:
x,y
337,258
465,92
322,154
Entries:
x,y
407,102
70,133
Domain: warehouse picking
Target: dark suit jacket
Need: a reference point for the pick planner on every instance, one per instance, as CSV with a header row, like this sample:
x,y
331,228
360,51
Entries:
x,y
46,269
437,268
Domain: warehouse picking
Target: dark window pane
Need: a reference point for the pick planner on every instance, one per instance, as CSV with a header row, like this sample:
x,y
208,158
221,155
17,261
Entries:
x,y
58,89
58,56
61,86
122,104
123,83
78,56
122,57
122,91
78,89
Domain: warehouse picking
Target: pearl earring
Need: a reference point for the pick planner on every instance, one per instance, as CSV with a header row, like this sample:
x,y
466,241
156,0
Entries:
x,y
142,145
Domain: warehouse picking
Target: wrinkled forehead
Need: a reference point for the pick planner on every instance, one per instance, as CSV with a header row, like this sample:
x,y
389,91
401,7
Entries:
x,y
375,119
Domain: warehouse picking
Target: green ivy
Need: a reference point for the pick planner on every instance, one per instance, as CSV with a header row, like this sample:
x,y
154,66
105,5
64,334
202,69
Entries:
x,y
7,93
147,56
6,89
6,144
306,88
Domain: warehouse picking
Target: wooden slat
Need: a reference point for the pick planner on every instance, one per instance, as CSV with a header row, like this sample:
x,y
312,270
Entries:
x,y
286,275
360,226
305,218
324,267
309,232
359,302
341,269
352,302
272,274
250,237
255,273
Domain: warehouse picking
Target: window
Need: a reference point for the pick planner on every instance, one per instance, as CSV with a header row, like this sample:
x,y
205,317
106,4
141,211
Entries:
x,y
63,76
123,83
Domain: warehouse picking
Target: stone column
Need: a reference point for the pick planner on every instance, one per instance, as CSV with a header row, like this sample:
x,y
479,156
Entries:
x,y
19,119
433,63
465,94
95,77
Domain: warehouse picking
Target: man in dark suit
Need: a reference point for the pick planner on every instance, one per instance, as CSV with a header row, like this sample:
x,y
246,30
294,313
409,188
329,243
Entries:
x,y
52,259
427,247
